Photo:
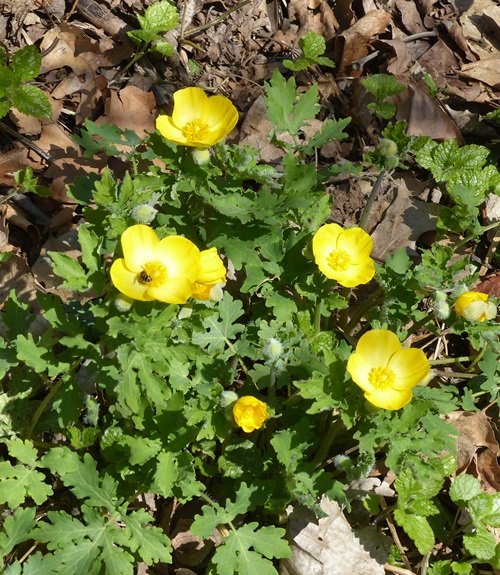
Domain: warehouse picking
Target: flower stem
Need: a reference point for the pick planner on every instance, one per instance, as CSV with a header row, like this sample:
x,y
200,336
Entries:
x,y
363,308
451,360
326,443
371,199
317,317
420,323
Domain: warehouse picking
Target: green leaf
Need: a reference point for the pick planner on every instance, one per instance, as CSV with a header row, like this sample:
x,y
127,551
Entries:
x,y
418,528
150,542
70,271
220,326
382,86
161,16
4,107
166,473
26,63
163,48
485,509
17,528
283,109
312,45
330,131
203,525
31,101
481,544
19,482
236,555
464,488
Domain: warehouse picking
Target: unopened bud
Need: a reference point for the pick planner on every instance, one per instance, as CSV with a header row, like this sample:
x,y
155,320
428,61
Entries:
x,y
143,214
123,303
273,348
201,156
387,147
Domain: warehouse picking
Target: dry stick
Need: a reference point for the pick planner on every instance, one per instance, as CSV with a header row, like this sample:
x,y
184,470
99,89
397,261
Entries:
x,y
395,535
27,143
216,20
398,570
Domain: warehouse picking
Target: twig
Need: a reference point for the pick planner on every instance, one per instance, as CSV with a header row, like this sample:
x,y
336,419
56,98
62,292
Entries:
x,y
216,20
398,570
27,143
395,536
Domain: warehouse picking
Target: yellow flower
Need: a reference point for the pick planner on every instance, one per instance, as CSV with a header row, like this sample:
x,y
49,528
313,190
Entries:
x,y
198,120
475,306
212,273
250,413
386,371
344,255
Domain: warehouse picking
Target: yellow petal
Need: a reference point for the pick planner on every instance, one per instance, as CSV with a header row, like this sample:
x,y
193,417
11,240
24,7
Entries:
x,y
139,244
356,242
169,131
180,256
221,117
177,290
466,299
378,346
325,240
127,282
189,104
212,270
357,274
250,413
359,368
389,398
410,366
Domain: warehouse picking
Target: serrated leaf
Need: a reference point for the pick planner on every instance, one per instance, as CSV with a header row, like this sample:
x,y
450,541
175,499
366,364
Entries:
x,y
164,48
330,131
312,45
85,482
36,564
382,86
481,544
26,63
17,528
31,101
19,482
70,271
220,326
464,488
4,108
236,555
24,451
418,528
166,473
203,525
485,509
161,16
150,542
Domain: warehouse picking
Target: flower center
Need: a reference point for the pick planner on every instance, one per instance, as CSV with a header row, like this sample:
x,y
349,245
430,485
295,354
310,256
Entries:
x,y
153,274
382,378
195,131
339,260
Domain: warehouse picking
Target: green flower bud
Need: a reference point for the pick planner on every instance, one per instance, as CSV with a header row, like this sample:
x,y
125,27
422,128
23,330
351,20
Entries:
x,y
143,214
387,147
273,348
123,303
201,157
227,398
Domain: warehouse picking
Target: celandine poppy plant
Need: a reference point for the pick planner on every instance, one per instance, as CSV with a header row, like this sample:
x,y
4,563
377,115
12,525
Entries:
x,y
166,270
475,306
198,120
250,413
386,371
344,254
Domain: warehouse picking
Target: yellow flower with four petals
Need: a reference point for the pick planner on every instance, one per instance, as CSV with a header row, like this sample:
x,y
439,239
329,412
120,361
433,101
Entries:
x,y
386,371
344,254
170,270
198,120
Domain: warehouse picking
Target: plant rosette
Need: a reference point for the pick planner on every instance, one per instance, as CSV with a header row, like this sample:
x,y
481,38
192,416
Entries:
x,y
386,371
